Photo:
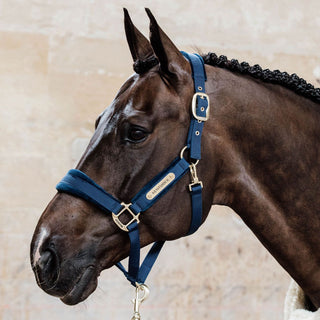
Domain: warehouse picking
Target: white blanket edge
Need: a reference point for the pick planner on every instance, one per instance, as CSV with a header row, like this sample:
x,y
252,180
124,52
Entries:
x,y
294,305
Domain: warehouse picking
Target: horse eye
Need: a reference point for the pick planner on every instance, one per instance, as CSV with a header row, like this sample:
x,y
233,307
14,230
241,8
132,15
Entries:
x,y
136,134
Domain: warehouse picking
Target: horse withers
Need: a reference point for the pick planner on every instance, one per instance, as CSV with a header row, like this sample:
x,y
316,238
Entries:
x,y
259,156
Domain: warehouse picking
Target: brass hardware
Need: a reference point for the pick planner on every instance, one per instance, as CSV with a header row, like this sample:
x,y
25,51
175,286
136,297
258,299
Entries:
x,y
160,186
194,106
142,293
182,151
194,176
122,226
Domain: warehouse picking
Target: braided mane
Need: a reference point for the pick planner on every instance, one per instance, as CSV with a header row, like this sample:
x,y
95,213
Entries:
x,y
292,82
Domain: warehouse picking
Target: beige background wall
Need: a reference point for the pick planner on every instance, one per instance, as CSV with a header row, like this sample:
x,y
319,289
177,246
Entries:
x,y
61,64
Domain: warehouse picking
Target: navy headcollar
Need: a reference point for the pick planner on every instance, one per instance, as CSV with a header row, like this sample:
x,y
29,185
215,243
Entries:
x,y
80,185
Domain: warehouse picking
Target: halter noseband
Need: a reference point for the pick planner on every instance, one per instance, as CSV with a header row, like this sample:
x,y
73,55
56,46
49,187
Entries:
x,y
80,185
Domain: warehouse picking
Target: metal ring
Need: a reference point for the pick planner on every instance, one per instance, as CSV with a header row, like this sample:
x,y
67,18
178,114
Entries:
x,y
181,154
182,151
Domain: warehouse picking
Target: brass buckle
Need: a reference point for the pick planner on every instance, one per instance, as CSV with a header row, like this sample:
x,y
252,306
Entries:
x,y
116,217
194,106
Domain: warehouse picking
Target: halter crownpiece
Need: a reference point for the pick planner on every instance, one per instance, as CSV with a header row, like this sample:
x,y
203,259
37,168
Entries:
x,y
80,185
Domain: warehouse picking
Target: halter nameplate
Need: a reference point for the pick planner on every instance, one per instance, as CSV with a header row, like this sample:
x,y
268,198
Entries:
x,y
160,186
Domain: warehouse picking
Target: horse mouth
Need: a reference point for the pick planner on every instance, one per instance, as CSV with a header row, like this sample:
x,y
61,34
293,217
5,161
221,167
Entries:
x,y
82,288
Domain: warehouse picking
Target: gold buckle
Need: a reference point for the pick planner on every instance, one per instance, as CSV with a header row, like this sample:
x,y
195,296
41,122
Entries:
x,y
194,106
122,226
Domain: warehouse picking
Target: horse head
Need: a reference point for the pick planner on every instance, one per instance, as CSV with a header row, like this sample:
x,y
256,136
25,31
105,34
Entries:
x,y
136,137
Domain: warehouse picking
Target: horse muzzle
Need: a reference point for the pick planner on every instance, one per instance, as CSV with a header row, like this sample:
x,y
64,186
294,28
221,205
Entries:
x,y
72,284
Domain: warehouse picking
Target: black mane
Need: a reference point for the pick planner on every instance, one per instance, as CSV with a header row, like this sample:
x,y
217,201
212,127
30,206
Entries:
x,y
292,82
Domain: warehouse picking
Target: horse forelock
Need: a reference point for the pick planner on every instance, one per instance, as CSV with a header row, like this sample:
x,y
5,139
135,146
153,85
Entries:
x,y
143,66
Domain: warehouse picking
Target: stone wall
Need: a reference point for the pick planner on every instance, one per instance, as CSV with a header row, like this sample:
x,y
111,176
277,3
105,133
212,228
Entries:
x,y
61,64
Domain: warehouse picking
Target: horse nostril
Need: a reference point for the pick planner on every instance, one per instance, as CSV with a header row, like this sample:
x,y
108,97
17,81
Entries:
x,y
47,268
45,261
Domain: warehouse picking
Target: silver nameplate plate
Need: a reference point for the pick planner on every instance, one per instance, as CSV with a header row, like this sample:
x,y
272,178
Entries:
x,y
160,186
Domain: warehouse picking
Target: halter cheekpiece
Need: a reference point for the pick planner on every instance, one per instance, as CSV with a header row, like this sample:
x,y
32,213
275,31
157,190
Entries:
x,y
80,185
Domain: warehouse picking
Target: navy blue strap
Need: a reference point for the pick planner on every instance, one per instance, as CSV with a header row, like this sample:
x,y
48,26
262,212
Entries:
x,y
201,105
198,70
199,113
159,185
155,189
134,256
196,217
79,184
146,266
149,261
194,139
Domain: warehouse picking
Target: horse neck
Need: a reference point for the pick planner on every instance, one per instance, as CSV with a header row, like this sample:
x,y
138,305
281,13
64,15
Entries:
x,y
266,139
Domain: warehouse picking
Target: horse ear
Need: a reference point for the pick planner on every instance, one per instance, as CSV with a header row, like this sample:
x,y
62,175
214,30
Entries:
x,y
139,45
170,58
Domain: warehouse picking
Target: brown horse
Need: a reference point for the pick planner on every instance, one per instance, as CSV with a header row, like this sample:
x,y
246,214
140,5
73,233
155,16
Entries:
x,y
260,156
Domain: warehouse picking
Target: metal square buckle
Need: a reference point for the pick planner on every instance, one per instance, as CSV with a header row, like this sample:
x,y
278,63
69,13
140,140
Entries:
x,y
195,183
194,106
116,217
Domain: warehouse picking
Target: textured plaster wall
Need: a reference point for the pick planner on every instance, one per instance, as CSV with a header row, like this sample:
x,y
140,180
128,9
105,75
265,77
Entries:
x,y
61,64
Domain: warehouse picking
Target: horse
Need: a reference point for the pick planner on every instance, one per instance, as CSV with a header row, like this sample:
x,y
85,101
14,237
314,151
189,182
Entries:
x,y
259,156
